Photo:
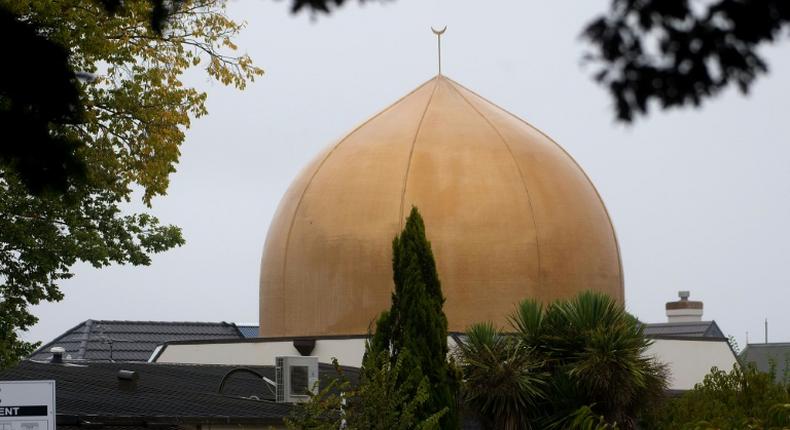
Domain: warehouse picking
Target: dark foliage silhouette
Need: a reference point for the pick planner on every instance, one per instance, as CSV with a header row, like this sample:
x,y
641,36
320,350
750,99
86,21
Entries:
x,y
669,53
38,95
93,109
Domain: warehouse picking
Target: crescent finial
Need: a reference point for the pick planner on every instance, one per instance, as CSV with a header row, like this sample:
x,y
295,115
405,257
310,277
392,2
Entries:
x,y
438,32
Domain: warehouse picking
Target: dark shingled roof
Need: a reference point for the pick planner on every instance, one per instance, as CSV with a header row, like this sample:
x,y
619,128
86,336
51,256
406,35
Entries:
x,y
766,355
102,340
248,330
121,427
704,329
92,394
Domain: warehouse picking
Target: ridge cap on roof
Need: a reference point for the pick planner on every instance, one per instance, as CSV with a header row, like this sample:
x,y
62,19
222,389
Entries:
x,y
687,337
708,322
769,344
221,323
95,364
98,364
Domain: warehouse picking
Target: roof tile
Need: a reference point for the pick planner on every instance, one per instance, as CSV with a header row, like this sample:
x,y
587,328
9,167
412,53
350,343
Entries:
x,y
107,340
706,329
162,392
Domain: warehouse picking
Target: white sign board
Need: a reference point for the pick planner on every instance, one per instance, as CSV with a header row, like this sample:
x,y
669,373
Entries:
x,y
27,405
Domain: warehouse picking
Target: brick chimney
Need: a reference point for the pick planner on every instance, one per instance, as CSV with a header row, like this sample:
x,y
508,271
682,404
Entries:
x,y
684,310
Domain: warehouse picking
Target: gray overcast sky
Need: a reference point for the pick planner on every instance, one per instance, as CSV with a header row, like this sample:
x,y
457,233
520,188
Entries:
x,y
699,198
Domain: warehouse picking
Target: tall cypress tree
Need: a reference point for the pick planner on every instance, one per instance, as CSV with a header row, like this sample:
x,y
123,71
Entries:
x,y
415,325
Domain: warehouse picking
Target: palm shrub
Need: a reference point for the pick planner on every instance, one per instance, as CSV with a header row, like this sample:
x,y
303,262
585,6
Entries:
x,y
503,380
596,354
588,353
583,419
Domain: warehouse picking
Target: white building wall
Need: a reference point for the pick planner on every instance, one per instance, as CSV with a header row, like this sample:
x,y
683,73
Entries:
x,y
689,361
347,351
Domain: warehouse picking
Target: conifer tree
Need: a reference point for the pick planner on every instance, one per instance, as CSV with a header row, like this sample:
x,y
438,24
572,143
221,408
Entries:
x,y
416,325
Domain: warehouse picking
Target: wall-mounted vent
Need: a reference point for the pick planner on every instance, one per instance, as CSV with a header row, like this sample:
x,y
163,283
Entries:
x,y
296,378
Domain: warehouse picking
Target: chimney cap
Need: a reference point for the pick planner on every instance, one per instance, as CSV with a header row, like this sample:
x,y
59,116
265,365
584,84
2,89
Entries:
x,y
684,310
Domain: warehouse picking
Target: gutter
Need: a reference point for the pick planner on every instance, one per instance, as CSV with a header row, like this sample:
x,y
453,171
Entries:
x,y
89,421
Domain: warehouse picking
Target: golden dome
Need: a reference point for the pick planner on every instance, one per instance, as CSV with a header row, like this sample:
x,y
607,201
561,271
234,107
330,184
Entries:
x,y
509,214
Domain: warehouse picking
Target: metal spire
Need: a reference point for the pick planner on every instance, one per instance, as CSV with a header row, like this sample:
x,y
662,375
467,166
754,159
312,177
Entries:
x,y
438,34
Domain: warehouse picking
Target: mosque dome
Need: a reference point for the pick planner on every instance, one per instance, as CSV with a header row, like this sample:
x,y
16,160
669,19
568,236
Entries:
x,y
509,214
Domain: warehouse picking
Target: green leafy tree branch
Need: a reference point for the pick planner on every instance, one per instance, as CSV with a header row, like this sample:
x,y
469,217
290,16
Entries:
x,y
135,110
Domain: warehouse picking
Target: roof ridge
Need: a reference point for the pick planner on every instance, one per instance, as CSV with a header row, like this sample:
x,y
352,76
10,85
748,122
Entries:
x,y
769,344
681,323
88,363
223,323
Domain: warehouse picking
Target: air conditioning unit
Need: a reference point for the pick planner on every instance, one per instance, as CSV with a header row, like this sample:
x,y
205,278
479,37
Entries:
x,y
296,378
